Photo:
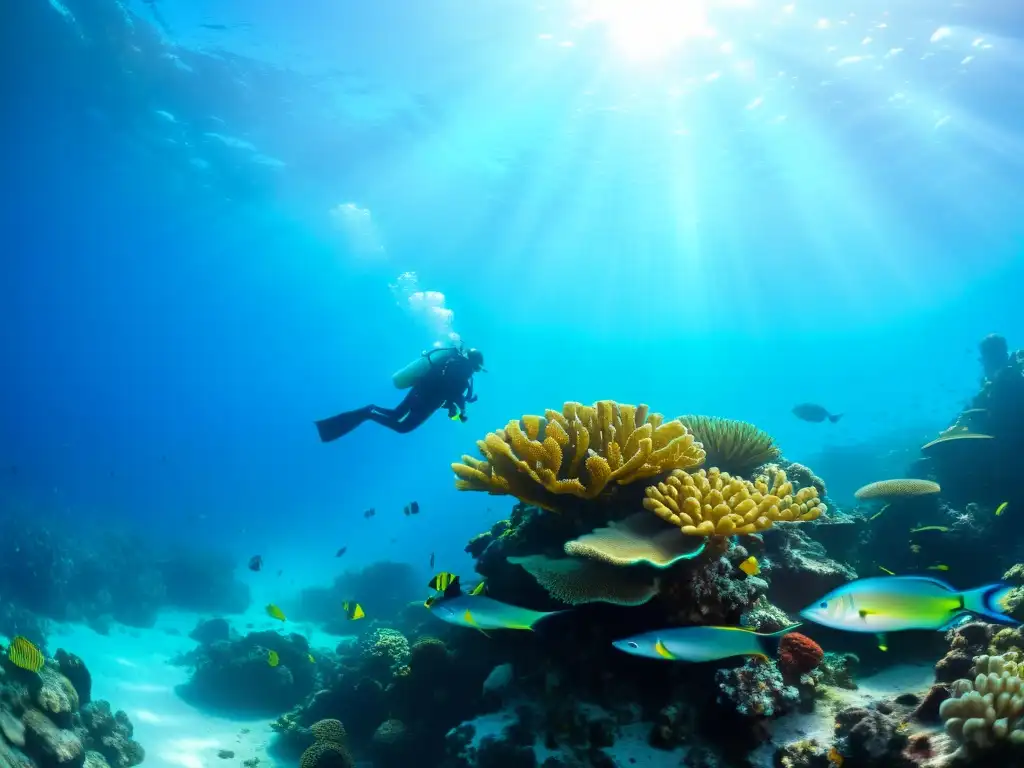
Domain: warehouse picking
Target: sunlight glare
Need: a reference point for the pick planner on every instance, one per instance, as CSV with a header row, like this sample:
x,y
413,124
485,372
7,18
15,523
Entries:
x,y
646,29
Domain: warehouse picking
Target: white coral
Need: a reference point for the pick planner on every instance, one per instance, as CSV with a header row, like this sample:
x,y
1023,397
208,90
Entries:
x,y
987,710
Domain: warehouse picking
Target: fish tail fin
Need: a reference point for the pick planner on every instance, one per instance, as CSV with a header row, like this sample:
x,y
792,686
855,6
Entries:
x,y
989,601
834,417
544,616
769,641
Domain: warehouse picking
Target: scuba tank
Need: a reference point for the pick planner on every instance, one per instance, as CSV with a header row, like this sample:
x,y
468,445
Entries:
x,y
418,368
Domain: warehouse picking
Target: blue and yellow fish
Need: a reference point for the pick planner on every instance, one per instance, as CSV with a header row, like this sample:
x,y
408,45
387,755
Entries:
x,y
274,612
883,604
698,644
477,611
353,611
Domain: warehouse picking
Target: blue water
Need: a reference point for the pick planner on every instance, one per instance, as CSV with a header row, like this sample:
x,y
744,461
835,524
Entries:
x,y
815,204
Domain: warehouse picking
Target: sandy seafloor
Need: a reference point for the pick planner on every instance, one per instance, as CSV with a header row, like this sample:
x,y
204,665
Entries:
x,y
131,668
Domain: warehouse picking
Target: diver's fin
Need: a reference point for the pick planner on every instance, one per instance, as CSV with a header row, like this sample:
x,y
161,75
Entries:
x,y
989,601
340,425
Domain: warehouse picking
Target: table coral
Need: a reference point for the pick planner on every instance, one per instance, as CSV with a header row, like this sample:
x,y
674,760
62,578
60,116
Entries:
x,y
709,502
577,453
899,488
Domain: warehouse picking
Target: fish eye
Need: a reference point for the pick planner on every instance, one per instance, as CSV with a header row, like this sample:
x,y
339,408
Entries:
x,y
823,605
633,645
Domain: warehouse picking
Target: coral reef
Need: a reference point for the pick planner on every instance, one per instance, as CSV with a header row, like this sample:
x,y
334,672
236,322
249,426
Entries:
x,y
579,453
987,712
45,724
732,446
709,502
329,748
756,689
95,577
235,674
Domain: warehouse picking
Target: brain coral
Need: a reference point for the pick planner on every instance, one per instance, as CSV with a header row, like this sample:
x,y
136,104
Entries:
x,y
577,453
732,446
989,709
329,750
897,489
707,503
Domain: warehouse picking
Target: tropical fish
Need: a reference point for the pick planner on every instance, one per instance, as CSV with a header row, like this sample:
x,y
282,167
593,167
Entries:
x,y
938,528
311,659
886,570
480,612
750,566
1001,508
883,604
369,513
443,581
274,612
479,589
24,654
255,563
352,610
815,413
878,513
702,643
341,552
939,567
412,509
273,659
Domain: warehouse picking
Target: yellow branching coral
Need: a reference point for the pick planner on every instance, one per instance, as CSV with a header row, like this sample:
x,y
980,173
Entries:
x,y
709,502
732,446
899,488
578,452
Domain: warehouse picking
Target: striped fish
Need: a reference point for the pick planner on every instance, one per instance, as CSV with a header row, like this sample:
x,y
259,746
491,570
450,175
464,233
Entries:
x,y
24,654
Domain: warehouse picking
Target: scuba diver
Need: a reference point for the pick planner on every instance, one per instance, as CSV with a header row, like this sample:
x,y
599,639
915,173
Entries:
x,y
439,378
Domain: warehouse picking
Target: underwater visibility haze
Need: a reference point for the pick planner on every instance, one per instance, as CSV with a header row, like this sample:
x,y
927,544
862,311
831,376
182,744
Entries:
x,y
462,384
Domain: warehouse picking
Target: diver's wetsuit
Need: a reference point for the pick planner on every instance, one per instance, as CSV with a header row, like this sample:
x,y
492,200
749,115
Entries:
x,y
447,384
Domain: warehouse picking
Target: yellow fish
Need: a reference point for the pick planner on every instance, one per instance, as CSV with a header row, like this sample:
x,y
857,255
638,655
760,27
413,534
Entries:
x,y
878,513
886,570
477,590
275,613
24,654
443,581
750,566
1001,508
311,659
939,567
939,528
273,659
353,611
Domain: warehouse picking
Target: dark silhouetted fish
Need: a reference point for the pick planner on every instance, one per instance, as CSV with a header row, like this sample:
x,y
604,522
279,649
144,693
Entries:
x,y
255,563
412,509
341,552
432,555
815,413
369,513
